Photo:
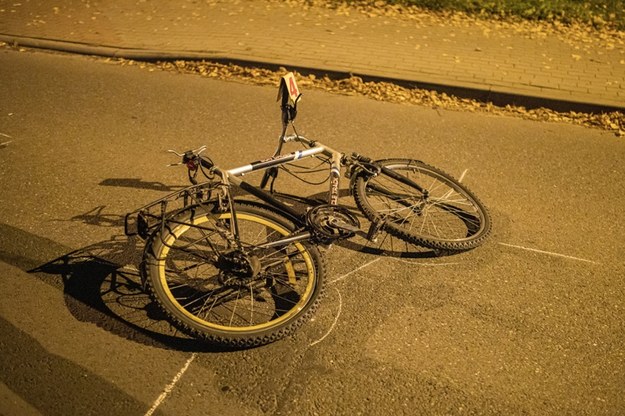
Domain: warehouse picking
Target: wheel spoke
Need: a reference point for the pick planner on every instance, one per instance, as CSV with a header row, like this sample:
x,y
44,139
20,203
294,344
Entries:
x,y
428,208
210,285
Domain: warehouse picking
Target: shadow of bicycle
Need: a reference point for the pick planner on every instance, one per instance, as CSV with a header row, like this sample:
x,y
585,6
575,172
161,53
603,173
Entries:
x,y
101,288
137,183
102,284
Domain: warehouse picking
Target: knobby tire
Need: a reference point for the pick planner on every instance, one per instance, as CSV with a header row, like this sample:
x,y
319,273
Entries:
x,y
190,284
444,214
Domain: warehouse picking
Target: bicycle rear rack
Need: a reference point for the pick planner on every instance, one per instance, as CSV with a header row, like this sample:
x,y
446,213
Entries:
x,y
143,220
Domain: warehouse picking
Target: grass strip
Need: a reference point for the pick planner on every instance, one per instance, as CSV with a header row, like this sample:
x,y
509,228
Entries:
x,y
598,13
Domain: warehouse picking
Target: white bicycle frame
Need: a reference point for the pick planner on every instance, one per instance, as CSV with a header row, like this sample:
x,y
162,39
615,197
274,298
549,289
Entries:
x,y
315,148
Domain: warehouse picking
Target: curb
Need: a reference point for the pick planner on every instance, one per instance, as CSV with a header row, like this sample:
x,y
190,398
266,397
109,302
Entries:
x,y
483,94
102,50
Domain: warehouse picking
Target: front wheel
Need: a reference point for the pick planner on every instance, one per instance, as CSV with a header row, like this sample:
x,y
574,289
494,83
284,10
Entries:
x,y
239,295
422,204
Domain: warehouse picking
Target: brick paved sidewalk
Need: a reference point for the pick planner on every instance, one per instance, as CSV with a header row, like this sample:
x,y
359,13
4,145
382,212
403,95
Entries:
x,y
489,60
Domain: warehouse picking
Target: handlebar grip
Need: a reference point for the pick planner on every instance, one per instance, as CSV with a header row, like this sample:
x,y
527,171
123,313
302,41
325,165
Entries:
x,y
206,163
361,158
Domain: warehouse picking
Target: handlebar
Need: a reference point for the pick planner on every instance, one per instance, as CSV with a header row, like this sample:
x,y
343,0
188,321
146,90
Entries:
x,y
194,162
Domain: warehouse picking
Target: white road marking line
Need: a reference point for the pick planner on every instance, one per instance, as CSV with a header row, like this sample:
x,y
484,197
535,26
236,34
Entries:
x,y
336,319
354,271
550,253
425,264
462,176
451,191
338,313
171,385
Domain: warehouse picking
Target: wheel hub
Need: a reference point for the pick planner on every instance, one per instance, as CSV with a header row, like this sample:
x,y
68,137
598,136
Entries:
x,y
238,268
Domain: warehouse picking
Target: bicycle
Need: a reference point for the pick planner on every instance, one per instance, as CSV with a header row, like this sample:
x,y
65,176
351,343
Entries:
x,y
243,273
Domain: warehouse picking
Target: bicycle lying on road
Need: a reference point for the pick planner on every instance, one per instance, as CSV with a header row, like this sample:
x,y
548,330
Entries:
x,y
242,272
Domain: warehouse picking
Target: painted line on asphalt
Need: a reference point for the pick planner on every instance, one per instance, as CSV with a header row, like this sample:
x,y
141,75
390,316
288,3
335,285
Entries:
x,y
354,271
425,264
338,279
5,144
451,191
338,313
462,176
550,253
336,319
168,389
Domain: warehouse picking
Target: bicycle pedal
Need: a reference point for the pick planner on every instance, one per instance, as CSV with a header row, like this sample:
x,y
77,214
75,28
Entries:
x,y
374,230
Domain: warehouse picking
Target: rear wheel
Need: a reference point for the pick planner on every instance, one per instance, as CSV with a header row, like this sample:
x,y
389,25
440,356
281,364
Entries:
x,y
423,205
236,296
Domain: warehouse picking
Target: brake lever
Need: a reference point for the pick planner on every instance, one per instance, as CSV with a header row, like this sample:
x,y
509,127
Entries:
x,y
186,156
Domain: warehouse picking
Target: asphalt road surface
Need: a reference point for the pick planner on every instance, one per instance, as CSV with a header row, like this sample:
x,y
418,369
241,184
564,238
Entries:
x,y
529,323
